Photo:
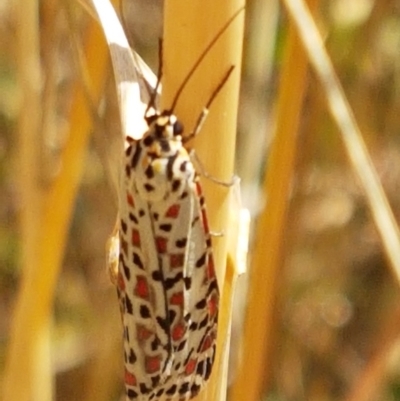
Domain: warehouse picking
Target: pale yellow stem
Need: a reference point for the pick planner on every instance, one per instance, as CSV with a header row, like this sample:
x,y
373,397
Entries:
x,y
188,28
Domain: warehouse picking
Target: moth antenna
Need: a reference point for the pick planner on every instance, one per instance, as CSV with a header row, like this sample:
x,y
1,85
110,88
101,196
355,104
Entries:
x,y
201,57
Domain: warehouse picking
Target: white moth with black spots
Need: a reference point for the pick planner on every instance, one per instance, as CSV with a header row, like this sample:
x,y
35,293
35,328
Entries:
x,y
164,271
167,286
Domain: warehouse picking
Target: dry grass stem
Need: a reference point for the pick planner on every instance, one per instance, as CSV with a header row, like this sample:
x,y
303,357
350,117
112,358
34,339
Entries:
x,y
188,29
351,134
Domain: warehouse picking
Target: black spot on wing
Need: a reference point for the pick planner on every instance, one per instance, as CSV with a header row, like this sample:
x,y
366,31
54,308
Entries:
x,y
200,368
127,272
132,395
172,315
163,323
149,187
188,283
132,357
136,156
202,260
209,364
149,172
157,276
155,343
181,243
148,141
170,282
201,304
137,261
133,218
128,305
144,389
144,312
184,388
154,382
176,185
195,389
166,227
124,226
170,165
171,390
203,323
183,166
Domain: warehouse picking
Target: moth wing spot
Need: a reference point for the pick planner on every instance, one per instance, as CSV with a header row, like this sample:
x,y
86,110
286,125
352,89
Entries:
x,y
130,378
176,260
176,299
161,244
153,364
142,287
135,238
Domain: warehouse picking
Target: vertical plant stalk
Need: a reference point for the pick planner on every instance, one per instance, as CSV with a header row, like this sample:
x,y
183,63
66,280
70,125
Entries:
x,y
29,78
350,132
254,371
188,28
39,277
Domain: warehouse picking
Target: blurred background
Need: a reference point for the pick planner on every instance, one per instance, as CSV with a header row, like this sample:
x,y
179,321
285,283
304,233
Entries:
x,y
335,324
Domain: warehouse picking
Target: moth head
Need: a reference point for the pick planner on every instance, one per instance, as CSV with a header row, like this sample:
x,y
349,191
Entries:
x,y
166,125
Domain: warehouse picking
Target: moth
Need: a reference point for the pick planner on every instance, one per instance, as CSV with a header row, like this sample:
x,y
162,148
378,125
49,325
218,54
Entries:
x,y
161,260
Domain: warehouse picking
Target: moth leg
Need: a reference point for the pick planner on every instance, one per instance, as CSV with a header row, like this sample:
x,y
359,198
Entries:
x,y
203,172
112,254
218,234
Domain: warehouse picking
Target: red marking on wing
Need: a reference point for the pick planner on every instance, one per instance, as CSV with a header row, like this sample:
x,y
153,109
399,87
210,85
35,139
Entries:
x,y
121,281
143,333
208,342
142,287
210,268
198,189
161,244
153,364
212,306
135,238
130,378
176,299
190,367
173,211
129,199
176,260
205,220
178,331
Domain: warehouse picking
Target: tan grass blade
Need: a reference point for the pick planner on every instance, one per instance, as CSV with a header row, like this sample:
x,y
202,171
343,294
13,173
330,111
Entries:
x,y
349,130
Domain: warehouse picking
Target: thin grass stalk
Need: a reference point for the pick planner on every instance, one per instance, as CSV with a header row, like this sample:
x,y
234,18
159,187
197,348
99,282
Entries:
x,y
188,28
350,132
34,305
254,370
29,78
